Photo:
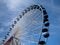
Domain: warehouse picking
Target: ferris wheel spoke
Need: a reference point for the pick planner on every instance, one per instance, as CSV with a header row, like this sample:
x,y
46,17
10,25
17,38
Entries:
x,y
29,40
26,39
30,15
32,23
26,32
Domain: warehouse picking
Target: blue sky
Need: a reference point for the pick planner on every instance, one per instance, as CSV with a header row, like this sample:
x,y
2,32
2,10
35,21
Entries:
x,y
9,9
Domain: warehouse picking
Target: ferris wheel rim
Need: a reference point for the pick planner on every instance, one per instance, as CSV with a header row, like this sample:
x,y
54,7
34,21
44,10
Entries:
x,y
41,8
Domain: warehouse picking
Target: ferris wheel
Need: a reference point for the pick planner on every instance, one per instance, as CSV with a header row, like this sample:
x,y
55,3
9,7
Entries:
x,y
30,26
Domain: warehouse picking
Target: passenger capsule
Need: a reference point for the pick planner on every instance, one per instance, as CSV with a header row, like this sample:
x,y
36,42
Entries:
x,y
44,30
44,12
31,7
46,35
46,16
25,11
12,25
10,29
3,40
20,16
45,20
5,37
28,9
46,24
41,42
17,19
37,7
15,22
